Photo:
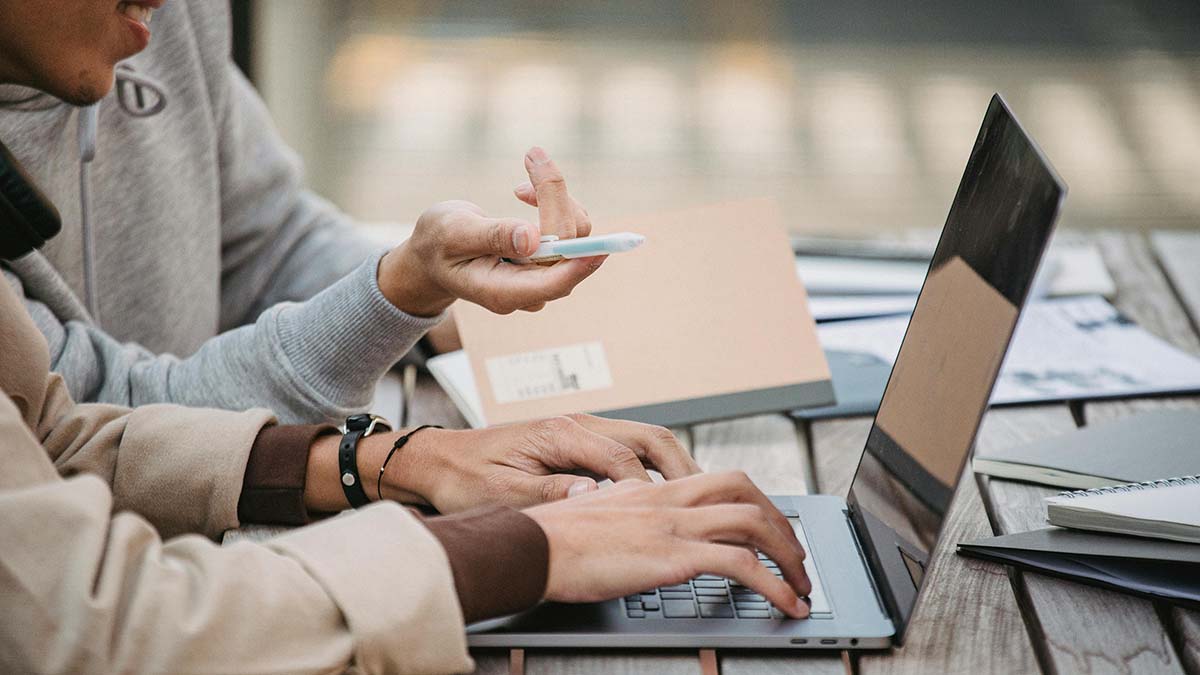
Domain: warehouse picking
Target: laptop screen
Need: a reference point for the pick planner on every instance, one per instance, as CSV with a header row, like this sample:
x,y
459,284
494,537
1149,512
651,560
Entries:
x,y
981,272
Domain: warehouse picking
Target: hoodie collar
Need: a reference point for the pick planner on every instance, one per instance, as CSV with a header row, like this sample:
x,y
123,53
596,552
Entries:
x,y
18,97
139,95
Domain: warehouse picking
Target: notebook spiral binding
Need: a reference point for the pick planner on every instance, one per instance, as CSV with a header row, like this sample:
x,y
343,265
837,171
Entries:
x,y
1133,487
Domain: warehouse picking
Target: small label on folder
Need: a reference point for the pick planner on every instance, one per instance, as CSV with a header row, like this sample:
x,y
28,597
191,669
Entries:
x,y
549,372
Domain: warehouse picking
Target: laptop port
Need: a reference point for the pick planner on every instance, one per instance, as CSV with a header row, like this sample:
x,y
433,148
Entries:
x,y
828,641
799,641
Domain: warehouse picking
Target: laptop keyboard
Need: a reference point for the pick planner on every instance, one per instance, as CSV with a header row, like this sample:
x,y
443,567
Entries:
x,y
713,597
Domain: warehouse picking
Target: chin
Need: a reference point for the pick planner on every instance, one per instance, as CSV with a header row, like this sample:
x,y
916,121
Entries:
x,y
88,88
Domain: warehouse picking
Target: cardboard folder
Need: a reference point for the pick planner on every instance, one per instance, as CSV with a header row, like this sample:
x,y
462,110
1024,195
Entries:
x,y
706,320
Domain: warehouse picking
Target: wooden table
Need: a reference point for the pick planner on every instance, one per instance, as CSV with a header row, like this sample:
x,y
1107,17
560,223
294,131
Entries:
x,y
976,617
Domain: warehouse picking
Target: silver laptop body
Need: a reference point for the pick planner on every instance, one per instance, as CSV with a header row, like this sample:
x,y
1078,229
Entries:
x,y
868,553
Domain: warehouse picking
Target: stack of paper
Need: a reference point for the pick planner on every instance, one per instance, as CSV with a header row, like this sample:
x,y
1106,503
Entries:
x,y
828,275
863,283
1064,349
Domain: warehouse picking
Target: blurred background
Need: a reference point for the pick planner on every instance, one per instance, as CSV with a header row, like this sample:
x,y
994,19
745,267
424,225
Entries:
x,y
856,115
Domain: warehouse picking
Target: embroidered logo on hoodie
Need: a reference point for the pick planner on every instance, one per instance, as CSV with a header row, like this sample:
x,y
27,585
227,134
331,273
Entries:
x,y
139,95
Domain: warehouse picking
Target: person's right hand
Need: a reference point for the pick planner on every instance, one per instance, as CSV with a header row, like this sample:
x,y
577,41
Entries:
x,y
456,251
638,535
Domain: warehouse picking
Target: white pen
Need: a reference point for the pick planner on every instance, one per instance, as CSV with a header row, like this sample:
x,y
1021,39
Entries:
x,y
552,248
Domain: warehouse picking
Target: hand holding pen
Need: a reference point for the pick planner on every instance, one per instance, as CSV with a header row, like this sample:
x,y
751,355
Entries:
x,y
457,251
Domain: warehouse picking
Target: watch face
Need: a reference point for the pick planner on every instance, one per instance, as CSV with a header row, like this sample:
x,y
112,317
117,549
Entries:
x,y
358,422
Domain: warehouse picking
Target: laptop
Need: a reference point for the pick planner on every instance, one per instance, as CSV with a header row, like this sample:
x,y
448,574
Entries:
x,y
868,553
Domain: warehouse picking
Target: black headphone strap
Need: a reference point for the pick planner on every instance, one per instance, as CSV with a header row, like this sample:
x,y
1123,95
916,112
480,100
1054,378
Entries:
x,y
27,217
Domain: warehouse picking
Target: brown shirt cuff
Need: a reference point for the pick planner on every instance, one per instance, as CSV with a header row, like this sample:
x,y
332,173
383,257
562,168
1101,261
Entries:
x,y
273,487
500,559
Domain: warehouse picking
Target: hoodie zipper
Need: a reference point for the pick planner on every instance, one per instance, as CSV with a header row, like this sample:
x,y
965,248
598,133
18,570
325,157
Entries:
x,y
138,96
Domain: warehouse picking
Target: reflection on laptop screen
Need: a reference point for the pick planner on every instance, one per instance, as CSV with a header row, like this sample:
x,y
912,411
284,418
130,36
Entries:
x,y
998,226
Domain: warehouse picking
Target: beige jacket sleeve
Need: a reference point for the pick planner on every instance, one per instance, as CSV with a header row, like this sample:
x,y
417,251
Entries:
x,y
87,585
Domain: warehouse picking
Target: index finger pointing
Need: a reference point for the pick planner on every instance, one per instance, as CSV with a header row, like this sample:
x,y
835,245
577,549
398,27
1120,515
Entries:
x,y
556,212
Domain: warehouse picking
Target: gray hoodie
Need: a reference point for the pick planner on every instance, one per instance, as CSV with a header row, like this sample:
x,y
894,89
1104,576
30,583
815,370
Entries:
x,y
193,267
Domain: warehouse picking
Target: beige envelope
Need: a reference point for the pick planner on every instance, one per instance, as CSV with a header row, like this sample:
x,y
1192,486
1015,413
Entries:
x,y
707,319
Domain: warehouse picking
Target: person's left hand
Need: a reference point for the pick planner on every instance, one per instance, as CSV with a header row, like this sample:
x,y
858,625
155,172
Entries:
x,y
529,463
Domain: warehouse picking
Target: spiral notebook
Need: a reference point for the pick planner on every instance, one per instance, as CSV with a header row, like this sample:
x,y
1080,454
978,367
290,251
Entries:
x,y
1161,509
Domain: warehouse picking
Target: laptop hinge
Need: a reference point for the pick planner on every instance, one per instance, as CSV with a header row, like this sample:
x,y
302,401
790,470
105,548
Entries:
x,y
866,561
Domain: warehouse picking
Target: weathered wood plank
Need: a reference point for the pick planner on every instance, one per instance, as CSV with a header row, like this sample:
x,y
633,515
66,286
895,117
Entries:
x,y
1076,628
963,592
1143,293
1179,254
770,451
1176,316
1187,626
1184,623
684,663
836,447
389,397
564,662
431,405
490,661
684,434
766,447
1099,412
968,620
1146,295
773,663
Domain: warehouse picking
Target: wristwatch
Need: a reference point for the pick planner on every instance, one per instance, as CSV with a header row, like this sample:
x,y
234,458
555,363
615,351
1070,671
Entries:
x,y
357,427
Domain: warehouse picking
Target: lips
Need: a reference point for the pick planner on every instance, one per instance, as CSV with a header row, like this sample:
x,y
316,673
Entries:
x,y
136,16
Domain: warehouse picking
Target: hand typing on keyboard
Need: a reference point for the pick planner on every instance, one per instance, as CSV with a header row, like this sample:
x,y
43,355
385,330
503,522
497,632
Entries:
x,y
515,465
636,535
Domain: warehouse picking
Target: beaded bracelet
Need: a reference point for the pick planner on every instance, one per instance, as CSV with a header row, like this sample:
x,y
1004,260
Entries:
x,y
396,446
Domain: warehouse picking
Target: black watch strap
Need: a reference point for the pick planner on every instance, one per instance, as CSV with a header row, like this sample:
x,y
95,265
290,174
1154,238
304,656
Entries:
x,y
357,428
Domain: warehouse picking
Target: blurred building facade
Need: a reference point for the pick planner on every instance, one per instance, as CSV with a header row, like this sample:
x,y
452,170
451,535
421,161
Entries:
x,y
857,116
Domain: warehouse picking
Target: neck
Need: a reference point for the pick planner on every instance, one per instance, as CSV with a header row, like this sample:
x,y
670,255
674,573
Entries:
x,y
7,72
